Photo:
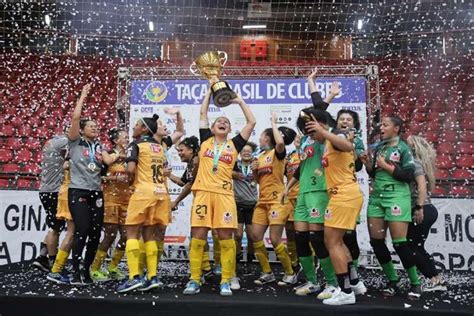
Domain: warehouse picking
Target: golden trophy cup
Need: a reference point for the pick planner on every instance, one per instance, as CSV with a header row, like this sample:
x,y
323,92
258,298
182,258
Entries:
x,y
209,65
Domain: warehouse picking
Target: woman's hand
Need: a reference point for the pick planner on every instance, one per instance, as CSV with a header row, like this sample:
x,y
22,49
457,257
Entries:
x,y
418,216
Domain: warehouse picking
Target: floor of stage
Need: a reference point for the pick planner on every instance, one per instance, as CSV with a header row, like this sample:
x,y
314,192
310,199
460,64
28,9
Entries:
x,y
25,291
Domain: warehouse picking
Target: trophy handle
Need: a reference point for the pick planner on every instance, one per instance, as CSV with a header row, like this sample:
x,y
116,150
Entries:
x,y
194,69
219,52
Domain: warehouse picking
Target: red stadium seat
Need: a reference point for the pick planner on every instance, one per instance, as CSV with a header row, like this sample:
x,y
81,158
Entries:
x,y
460,191
467,136
25,130
10,168
4,183
6,155
13,143
31,168
466,148
448,136
444,148
439,191
462,174
442,174
33,144
465,161
23,183
23,155
445,162
7,130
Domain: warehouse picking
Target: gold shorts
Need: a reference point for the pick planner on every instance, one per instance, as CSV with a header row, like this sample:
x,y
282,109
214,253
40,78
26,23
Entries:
x,y
343,213
63,210
213,210
115,214
149,212
268,214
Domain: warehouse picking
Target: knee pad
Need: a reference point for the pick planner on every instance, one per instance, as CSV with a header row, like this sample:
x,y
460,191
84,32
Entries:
x,y
302,244
380,250
405,253
350,240
317,241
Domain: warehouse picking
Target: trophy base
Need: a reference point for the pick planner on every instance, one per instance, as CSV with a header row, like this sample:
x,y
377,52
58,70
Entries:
x,y
222,94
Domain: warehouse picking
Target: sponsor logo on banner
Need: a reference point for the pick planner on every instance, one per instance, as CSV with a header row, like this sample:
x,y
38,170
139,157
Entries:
x,y
156,91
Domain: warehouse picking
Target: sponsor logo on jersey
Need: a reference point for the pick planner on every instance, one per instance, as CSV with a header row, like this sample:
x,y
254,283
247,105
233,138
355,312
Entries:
x,y
227,217
327,214
309,151
226,158
314,213
155,148
265,170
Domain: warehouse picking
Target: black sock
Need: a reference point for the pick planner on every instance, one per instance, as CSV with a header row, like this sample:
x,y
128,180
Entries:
x,y
353,276
344,283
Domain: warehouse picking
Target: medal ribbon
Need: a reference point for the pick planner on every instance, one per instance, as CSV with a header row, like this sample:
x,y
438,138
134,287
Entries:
x,y
91,152
245,169
217,153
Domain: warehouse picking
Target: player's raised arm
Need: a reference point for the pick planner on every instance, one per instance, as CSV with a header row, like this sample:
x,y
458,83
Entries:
x,y
73,133
203,118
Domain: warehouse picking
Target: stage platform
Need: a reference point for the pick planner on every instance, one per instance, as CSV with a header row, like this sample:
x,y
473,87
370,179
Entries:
x,y
25,291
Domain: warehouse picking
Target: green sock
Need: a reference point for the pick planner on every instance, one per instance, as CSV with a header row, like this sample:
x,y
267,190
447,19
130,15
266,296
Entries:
x,y
328,271
389,271
413,276
308,268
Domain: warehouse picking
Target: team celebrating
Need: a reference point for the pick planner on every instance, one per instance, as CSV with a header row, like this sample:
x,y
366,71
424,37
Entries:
x,y
311,193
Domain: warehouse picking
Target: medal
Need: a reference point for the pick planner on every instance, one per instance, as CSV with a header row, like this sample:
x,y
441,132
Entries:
x,y
303,156
217,154
214,169
91,166
252,184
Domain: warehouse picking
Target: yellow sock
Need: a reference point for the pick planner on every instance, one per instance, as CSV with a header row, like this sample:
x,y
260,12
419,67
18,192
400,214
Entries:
x,y
141,257
133,253
117,255
161,248
262,256
100,256
196,250
235,259
60,262
216,249
206,265
227,259
284,258
291,245
151,250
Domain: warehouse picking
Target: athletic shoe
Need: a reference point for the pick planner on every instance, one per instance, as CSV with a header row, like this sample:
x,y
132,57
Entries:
x,y
192,287
439,286
328,292
225,289
217,269
116,274
297,269
86,278
265,278
75,279
130,285
41,263
207,274
307,289
359,288
57,278
153,283
99,276
391,289
288,279
235,283
414,293
341,298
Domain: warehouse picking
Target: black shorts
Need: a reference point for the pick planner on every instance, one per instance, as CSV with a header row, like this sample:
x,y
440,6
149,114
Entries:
x,y
245,214
50,204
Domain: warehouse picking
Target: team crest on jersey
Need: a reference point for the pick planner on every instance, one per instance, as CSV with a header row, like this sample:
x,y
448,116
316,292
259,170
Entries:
x,y
227,217
99,203
268,159
314,213
396,210
155,148
327,214
229,149
309,151
274,214
395,156
325,162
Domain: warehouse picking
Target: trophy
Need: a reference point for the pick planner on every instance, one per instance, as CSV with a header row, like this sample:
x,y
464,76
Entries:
x,y
209,65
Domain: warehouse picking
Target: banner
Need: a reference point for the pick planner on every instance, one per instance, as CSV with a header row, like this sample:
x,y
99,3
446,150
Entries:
x,y
22,229
286,97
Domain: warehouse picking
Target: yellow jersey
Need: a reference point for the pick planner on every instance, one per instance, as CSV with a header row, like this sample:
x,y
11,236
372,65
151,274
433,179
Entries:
x,y
270,173
216,163
62,194
339,168
292,163
150,158
116,192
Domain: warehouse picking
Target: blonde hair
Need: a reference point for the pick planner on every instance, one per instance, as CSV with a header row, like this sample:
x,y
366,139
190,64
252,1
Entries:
x,y
426,154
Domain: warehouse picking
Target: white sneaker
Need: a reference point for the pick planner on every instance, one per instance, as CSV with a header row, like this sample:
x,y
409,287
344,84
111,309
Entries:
x,y
306,289
359,288
265,278
341,298
328,292
288,279
235,283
